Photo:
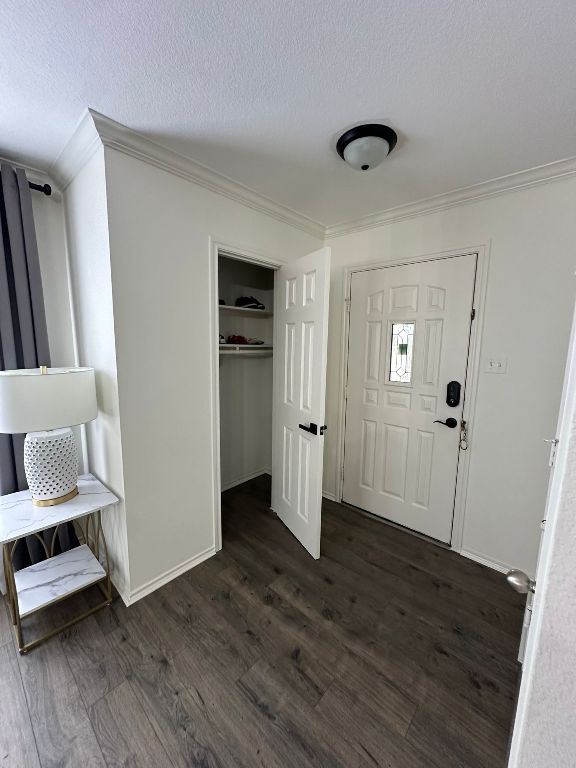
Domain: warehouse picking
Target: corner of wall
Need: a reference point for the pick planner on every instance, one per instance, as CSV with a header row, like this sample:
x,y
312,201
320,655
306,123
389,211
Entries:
x,y
83,143
81,172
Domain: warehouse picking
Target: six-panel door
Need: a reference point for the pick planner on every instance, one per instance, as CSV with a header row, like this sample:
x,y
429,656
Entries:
x,y
301,329
409,337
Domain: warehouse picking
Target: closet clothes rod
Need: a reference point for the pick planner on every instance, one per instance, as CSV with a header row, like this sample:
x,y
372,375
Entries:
x,y
45,188
246,353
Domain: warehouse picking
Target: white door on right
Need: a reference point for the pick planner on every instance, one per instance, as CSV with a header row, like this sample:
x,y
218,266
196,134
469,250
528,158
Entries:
x,y
407,361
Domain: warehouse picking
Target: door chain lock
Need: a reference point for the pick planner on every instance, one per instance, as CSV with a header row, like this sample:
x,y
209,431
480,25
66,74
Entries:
x,y
553,443
463,435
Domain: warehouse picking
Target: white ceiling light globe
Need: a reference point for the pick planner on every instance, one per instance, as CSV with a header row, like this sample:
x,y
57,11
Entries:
x,y
366,153
366,146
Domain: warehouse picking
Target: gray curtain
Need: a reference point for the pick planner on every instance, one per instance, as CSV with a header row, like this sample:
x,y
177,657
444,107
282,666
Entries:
x,y
23,333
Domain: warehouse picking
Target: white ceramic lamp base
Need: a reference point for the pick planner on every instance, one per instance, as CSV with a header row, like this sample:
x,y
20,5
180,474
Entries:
x,y
51,465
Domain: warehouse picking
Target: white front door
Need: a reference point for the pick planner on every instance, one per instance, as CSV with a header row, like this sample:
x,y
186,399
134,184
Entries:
x,y
409,338
301,292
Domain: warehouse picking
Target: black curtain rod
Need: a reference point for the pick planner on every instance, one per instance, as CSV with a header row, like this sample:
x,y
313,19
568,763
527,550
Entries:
x,y
46,188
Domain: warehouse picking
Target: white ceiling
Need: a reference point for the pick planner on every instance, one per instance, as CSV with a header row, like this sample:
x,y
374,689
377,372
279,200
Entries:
x,y
259,90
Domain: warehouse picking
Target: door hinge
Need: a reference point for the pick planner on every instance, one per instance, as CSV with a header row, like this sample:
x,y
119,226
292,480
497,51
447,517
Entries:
x,y
348,302
473,314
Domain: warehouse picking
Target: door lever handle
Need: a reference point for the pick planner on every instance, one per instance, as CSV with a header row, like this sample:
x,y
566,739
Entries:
x,y
451,422
313,428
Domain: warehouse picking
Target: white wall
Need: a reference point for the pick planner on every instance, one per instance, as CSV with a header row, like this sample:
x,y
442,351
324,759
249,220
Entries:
x,y
245,419
52,254
544,733
161,227
87,230
531,234
49,221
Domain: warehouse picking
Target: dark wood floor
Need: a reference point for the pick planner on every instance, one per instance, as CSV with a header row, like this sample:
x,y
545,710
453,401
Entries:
x,y
388,651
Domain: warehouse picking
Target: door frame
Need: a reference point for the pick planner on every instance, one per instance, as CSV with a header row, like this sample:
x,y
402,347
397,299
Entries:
x,y
472,375
233,251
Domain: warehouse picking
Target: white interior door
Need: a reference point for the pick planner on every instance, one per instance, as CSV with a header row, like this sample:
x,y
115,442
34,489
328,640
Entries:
x,y
557,463
301,292
409,337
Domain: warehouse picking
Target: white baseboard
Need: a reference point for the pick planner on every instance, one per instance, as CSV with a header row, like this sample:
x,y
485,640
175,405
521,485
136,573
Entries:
x,y
164,578
494,564
121,589
328,495
239,480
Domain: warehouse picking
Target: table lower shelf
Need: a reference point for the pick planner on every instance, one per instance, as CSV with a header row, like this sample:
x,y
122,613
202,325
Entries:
x,y
51,580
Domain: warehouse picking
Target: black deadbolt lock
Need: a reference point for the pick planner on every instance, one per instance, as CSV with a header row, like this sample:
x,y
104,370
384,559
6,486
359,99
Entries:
x,y
453,394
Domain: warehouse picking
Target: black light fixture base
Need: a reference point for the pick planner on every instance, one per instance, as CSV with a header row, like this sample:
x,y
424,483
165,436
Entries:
x,y
369,129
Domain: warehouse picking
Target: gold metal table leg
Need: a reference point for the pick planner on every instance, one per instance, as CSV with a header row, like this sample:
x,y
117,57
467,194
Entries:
x,y
9,565
104,584
5,558
24,648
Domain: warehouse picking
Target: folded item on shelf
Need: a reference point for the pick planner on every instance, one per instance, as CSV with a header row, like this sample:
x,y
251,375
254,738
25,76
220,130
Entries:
x,y
255,341
236,339
249,302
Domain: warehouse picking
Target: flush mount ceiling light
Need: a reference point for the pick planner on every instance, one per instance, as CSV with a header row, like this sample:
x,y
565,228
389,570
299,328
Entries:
x,y
366,146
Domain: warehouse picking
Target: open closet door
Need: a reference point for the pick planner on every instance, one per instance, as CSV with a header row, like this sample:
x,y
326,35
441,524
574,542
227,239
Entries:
x,y
301,331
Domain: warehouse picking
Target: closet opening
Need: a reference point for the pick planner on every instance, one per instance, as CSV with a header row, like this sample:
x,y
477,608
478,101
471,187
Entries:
x,y
269,330
245,311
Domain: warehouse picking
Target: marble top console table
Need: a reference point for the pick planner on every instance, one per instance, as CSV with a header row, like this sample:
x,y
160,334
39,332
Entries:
x,y
58,576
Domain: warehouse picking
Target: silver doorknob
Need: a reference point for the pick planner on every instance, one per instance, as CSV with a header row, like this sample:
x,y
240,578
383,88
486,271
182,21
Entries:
x,y
520,581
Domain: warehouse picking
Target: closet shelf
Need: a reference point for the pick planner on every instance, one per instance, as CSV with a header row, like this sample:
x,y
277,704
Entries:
x,y
244,311
245,346
246,350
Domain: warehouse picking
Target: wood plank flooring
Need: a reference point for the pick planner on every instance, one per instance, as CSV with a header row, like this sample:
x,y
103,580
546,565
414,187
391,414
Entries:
x,y
388,651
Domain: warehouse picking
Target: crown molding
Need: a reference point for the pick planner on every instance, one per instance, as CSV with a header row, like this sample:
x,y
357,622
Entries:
x,y
78,150
542,174
95,130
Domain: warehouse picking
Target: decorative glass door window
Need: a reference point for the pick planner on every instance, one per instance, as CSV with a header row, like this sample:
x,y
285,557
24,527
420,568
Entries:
x,y
401,353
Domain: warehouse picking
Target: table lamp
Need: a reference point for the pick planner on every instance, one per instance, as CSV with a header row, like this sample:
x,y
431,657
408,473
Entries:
x,y
45,403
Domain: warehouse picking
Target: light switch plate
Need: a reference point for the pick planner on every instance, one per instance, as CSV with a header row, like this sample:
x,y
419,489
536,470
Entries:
x,y
494,364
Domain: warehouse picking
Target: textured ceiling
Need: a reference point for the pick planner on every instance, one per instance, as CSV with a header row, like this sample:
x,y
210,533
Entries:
x,y
260,89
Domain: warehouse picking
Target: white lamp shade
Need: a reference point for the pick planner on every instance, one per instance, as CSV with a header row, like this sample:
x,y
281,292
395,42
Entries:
x,y
34,402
